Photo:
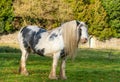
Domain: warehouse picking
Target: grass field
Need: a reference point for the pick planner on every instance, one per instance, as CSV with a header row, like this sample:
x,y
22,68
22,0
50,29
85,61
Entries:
x,y
89,66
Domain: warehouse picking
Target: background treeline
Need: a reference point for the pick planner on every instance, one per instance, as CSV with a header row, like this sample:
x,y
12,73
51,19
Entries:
x,y
102,16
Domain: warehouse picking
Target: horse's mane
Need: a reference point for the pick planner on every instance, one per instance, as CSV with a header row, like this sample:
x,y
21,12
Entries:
x,y
70,37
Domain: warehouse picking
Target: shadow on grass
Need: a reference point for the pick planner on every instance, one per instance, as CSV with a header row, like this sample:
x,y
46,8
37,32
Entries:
x,y
7,49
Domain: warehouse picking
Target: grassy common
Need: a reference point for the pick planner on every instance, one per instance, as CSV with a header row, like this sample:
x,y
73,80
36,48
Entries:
x,y
90,65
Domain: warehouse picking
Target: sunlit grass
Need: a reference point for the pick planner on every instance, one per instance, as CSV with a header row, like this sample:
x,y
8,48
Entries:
x,y
89,66
12,45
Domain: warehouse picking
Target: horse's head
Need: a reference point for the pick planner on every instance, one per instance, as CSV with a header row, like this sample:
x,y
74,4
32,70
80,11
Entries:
x,y
73,32
82,32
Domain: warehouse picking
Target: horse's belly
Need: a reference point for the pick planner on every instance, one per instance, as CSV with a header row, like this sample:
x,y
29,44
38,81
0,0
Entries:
x,y
54,47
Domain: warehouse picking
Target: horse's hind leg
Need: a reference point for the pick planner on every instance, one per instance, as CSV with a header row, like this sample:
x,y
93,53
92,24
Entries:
x,y
23,60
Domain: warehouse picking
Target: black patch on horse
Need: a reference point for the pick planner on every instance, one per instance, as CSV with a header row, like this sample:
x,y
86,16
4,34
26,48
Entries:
x,y
41,52
77,23
42,30
62,53
59,29
37,36
25,44
53,36
79,33
81,25
23,29
26,37
31,38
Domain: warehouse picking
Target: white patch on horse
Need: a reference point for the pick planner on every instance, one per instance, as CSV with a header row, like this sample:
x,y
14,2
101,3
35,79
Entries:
x,y
51,46
84,30
33,28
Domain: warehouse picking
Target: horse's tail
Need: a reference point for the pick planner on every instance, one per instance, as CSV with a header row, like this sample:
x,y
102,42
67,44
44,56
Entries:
x,y
20,33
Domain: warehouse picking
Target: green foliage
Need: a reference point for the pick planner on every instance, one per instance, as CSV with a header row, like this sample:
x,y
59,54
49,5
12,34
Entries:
x,y
112,8
103,18
6,16
50,13
95,15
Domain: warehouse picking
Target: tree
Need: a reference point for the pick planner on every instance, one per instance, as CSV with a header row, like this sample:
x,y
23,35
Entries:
x,y
94,14
48,13
6,16
103,22
112,8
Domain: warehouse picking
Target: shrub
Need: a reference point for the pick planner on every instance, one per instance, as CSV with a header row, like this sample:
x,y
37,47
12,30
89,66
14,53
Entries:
x,y
6,16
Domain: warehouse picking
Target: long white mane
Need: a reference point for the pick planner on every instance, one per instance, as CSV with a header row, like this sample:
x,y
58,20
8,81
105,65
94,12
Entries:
x,y
70,37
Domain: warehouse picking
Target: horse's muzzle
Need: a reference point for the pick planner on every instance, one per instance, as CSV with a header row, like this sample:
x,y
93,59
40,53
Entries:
x,y
83,40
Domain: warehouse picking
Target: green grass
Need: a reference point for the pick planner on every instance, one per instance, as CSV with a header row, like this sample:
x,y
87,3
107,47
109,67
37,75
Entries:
x,y
89,66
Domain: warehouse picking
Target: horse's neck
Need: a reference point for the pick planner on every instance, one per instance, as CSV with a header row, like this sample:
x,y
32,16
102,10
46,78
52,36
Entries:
x,y
53,30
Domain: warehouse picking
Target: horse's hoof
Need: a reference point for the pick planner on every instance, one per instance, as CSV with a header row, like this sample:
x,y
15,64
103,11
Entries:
x,y
63,78
53,77
24,73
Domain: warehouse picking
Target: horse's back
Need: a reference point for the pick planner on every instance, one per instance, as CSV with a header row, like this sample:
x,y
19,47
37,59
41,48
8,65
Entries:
x,y
30,35
31,28
41,41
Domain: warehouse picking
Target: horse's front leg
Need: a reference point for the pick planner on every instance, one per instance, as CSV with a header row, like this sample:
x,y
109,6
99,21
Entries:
x,y
52,74
22,68
62,69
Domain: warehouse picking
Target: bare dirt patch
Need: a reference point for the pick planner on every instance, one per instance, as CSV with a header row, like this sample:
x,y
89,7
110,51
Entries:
x,y
9,40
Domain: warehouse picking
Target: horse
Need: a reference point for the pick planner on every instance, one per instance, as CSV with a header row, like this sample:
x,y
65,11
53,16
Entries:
x,y
60,42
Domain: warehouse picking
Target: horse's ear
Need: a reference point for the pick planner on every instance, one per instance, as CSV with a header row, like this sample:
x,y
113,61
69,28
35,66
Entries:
x,y
77,22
